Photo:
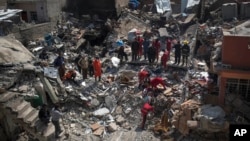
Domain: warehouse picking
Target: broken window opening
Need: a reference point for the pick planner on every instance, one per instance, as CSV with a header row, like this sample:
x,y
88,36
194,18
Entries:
x,y
240,87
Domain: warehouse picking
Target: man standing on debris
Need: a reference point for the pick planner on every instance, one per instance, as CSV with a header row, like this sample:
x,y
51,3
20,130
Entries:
x,y
177,52
151,55
91,67
76,62
147,107
56,116
185,52
157,46
97,68
44,114
135,49
146,44
59,63
169,44
121,54
83,63
140,40
164,58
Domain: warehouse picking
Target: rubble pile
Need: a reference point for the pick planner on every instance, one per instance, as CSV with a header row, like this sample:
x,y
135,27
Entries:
x,y
110,109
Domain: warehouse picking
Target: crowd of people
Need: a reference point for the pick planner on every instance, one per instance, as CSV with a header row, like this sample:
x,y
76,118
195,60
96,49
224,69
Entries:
x,y
150,50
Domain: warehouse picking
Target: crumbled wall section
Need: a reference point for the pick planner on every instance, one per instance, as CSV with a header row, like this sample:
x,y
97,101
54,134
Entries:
x,y
34,32
12,51
54,8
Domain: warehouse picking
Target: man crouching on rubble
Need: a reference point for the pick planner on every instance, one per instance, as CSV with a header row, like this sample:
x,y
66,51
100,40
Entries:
x,y
147,107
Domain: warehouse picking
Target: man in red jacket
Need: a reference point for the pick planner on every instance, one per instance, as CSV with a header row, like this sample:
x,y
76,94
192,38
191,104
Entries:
x,y
164,58
144,78
147,107
156,81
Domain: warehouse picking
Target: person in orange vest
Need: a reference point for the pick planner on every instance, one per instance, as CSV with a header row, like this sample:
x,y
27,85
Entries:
x,y
157,46
147,107
97,68
164,58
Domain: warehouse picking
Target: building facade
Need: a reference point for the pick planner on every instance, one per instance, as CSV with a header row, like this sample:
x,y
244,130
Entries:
x,y
234,74
37,10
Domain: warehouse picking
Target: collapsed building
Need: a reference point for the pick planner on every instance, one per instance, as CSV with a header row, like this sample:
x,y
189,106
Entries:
x,y
110,109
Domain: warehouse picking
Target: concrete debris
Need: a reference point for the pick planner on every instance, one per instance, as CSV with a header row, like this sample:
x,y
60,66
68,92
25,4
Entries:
x,y
112,127
101,112
47,71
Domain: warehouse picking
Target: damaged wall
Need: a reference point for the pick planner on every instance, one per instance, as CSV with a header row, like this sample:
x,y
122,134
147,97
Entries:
x,y
102,7
236,51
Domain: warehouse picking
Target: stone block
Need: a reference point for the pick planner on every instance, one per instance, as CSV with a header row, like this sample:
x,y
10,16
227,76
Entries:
x,y
95,126
99,131
120,119
192,124
112,127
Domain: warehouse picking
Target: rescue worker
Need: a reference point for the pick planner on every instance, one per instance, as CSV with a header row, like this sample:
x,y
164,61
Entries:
x,y
84,64
151,54
147,107
157,45
70,75
140,41
154,82
135,49
97,68
144,78
76,62
44,55
185,52
146,44
164,58
91,68
177,52
56,115
59,60
122,54
62,71
169,44
44,114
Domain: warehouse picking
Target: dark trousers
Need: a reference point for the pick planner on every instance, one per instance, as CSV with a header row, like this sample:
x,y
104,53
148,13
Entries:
x,y
121,55
151,58
184,59
99,78
57,127
144,118
85,73
134,55
45,120
145,55
91,71
177,58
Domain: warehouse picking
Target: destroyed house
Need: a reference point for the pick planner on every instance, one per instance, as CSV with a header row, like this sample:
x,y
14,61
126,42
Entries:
x,y
37,10
234,69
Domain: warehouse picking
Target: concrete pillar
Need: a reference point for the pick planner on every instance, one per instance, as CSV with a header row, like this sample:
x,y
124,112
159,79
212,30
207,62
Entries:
x,y
222,92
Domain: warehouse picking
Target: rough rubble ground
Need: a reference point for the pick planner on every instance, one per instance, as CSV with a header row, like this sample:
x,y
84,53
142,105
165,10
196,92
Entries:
x,y
123,101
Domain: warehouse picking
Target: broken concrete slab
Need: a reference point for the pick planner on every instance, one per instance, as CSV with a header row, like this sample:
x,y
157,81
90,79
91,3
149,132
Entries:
x,y
101,112
112,127
12,51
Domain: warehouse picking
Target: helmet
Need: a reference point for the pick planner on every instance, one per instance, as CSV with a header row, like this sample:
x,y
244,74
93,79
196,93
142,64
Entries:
x,y
185,42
